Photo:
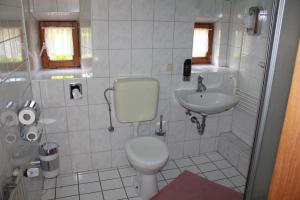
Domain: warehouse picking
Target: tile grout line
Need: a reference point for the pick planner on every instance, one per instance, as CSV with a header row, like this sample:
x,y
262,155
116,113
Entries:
x,y
122,183
102,192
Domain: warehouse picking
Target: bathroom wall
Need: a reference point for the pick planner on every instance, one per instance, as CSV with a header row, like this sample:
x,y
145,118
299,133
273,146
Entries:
x,y
14,75
133,38
247,54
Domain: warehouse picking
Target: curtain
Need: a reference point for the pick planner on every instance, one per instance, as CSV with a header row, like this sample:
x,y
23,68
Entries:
x,y
59,43
200,45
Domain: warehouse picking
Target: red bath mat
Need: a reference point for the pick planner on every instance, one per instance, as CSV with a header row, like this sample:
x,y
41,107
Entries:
x,y
189,186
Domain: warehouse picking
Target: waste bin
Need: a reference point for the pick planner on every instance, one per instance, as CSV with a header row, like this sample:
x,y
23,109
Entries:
x,y
49,157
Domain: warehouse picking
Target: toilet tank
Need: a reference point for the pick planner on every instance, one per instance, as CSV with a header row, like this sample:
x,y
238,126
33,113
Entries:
x,y
136,99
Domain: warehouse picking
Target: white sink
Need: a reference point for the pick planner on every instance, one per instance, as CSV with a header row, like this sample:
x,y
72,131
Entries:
x,y
209,102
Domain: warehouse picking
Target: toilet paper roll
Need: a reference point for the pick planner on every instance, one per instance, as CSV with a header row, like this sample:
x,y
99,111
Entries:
x,y
76,94
31,133
9,115
29,113
11,135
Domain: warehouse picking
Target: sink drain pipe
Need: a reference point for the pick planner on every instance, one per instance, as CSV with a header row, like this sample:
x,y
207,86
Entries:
x,y
194,120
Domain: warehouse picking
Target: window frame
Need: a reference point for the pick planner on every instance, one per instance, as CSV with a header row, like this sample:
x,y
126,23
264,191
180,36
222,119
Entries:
x,y
49,64
207,59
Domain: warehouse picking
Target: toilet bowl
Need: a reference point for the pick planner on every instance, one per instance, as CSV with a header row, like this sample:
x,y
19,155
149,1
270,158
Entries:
x,y
147,155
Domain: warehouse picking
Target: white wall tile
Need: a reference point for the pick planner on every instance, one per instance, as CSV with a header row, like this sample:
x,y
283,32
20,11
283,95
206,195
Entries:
x,y
164,10
163,34
96,87
208,145
78,118
101,160
81,162
161,59
120,62
100,9
142,34
120,34
175,150
60,117
100,34
119,137
119,158
187,10
120,9
100,140
141,61
142,9
100,63
98,115
176,131
191,147
79,142
52,93
183,35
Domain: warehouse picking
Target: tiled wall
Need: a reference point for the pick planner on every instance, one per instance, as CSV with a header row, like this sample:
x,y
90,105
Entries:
x,y
247,54
14,76
131,38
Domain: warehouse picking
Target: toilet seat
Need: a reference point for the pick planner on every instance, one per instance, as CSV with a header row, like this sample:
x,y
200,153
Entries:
x,y
147,154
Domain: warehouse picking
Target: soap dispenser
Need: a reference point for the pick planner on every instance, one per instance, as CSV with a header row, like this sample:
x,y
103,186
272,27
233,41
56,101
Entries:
x,y
187,68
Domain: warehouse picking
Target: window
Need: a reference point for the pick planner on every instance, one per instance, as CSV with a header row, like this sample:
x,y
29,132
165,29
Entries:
x,y
202,45
59,44
11,45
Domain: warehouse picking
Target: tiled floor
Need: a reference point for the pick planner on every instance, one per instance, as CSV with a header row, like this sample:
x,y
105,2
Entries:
x,y
117,183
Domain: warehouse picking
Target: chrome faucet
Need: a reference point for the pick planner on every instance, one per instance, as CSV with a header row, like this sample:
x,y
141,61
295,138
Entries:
x,y
201,87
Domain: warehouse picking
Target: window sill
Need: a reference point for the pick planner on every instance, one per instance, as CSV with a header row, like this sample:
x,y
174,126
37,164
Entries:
x,y
60,74
198,68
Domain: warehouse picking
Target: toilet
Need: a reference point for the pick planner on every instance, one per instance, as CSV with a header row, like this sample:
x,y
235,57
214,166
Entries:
x,y
136,100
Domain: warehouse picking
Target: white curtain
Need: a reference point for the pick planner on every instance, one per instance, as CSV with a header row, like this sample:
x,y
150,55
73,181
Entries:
x,y
200,45
59,43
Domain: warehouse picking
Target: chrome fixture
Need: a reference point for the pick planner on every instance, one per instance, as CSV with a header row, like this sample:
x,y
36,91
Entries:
x,y
110,128
254,20
160,131
201,87
194,120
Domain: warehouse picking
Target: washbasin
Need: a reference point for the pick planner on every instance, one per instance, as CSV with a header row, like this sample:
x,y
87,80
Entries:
x,y
207,103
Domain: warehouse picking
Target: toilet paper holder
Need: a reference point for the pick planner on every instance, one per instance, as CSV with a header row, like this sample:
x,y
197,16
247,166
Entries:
x,y
75,91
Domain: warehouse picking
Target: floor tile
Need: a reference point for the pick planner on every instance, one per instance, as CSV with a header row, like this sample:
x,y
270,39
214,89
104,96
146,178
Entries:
x,y
230,172
222,164
131,191
110,174
124,172
238,181
88,177
48,194
161,184
135,198
91,196
159,177
70,198
114,194
192,169
170,165
128,181
85,188
171,173
66,191
49,183
207,167
66,180
225,182
200,159
242,189
184,162
111,184
214,156
214,175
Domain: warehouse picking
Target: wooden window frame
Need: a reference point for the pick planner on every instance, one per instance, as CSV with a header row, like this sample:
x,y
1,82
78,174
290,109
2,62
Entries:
x,y
50,64
207,58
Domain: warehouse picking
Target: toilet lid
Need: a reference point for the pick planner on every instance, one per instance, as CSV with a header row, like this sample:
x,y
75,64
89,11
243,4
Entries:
x,y
148,151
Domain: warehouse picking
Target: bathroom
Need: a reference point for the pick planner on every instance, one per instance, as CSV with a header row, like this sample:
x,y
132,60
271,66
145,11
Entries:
x,y
137,40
